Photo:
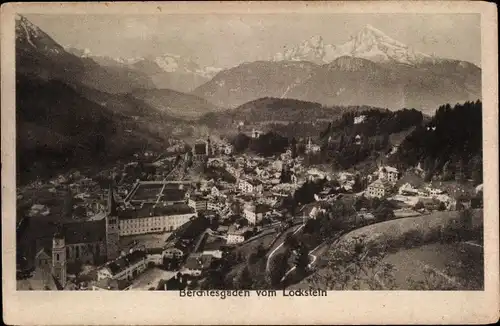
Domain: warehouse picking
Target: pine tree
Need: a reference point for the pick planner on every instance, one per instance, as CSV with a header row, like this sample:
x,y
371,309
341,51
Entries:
x,y
358,184
302,259
447,172
277,268
294,147
460,173
477,171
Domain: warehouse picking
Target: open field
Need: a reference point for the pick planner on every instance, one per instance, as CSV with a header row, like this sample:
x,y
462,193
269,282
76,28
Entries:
x,y
381,232
147,191
144,240
459,264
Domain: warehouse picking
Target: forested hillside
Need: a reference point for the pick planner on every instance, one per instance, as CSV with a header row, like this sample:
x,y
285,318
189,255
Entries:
x,y
56,132
359,136
450,144
268,144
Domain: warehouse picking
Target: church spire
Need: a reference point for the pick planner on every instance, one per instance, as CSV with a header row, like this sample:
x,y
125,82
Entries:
x,y
111,201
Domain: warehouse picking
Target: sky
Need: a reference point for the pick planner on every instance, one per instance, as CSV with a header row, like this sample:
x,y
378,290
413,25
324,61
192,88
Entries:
x,y
228,40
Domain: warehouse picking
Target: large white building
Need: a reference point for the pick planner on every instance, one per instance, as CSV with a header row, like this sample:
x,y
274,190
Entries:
x,y
155,219
198,203
378,188
250,186
388,173
235,237
255,213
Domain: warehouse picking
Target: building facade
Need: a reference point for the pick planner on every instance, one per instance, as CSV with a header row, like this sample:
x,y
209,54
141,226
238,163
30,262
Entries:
x,y
255,213
154,224
388,173
250,186
235,238
127,267
199,204
378,189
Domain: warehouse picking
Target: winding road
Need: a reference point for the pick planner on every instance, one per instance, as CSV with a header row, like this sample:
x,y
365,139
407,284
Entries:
x,y
281,245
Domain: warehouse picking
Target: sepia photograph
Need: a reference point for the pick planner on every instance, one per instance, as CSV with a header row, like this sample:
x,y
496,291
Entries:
x,y
153,160
239,154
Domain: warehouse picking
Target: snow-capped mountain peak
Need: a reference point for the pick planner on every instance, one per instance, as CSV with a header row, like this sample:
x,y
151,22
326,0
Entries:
x,y
369,43
128,61
312,50
208,72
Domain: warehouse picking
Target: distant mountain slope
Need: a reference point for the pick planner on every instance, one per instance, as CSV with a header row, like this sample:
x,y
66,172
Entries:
x,y
369,69
165,71
288,117
174,103
37,54
348,81
268,110
63,120
250,81
174,72
56,131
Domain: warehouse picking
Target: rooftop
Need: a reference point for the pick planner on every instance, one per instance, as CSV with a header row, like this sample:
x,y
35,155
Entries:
x,y
200,149
84,232
124,262
379,184
198,262
149,210
110,284
172,194
259,208
389,169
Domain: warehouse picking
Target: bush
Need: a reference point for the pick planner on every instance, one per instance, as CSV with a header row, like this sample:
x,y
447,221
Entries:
x,y
291,241
413,238
311,226
419,205
277,268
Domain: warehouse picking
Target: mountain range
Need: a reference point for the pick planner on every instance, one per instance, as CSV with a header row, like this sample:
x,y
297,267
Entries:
x,y
168,70
73,106
369,43
370,69
71,110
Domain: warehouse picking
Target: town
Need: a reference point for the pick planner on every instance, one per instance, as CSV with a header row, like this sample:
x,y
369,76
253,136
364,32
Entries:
x,y
192,216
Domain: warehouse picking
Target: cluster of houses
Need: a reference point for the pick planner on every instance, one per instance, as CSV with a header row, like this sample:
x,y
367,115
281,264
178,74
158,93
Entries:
x,y
254,194
386,185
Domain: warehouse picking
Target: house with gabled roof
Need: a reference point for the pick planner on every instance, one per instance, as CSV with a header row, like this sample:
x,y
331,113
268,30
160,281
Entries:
x,y
125,267
388,173
378,188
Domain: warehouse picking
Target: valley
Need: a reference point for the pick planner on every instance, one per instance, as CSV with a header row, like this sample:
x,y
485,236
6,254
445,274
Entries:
x,y
307,170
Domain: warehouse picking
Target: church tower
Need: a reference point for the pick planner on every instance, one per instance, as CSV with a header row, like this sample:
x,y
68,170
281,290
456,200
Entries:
x,y
59,258
112,227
